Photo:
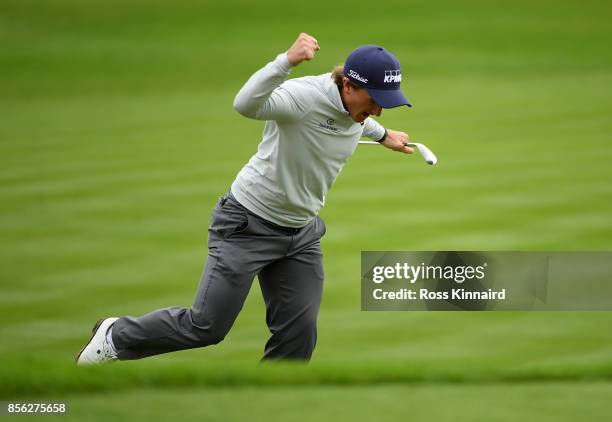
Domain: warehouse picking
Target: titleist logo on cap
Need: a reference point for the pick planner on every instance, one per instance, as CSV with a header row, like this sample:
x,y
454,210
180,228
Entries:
x,y
357,76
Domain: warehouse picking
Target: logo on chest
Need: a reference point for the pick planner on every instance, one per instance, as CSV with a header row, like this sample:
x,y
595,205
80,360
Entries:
x,y
329,125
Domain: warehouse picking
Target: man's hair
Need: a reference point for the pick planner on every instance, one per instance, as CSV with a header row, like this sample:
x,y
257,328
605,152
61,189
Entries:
x,y
337,75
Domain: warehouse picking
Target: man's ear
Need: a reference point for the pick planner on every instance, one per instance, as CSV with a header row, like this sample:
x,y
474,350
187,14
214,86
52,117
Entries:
x,y
346,85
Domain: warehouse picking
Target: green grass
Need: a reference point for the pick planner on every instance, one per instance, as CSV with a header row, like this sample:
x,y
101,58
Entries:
x,y
118,136
494,402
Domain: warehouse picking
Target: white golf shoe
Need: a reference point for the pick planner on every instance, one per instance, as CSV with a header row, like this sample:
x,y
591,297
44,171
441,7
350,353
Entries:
x,y
97,350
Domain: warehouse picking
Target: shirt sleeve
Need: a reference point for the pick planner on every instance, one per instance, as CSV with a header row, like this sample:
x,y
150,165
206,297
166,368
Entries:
x,y
372,129
263,98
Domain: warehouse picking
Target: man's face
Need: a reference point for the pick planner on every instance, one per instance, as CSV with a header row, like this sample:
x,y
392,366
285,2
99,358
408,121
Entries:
x,y
358,102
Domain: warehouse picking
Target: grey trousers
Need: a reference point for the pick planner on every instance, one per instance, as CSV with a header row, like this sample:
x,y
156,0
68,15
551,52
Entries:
x,y
241,245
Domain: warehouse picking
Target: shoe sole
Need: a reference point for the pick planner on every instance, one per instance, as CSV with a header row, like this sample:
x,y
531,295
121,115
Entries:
x,y
93,333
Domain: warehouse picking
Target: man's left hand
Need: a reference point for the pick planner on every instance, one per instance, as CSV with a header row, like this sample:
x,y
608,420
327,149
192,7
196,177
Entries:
x,y
397,141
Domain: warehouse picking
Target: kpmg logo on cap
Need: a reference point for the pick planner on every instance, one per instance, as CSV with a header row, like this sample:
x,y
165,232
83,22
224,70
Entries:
x,y
357,76
393,76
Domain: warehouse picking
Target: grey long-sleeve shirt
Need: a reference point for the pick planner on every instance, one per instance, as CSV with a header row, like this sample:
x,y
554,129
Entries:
x,y
307,139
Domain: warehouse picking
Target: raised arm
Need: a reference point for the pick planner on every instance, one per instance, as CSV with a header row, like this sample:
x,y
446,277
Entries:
x,y
263,98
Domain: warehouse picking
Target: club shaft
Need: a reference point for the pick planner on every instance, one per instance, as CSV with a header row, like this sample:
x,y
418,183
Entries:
x,y
410,144
425,152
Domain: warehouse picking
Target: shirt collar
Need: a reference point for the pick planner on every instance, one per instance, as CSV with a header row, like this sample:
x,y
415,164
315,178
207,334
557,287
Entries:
x,y
334,95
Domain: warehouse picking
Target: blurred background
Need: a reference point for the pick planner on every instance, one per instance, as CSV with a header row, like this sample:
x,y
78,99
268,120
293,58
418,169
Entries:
x,y
118,135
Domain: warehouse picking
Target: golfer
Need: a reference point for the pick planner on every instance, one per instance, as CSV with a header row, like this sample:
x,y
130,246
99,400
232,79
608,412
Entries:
x,y
267,225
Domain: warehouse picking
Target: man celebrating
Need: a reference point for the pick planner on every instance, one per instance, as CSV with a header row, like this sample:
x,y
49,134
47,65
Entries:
x,y
267,224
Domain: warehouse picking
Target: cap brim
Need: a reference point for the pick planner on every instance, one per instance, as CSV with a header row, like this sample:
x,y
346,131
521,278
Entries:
x,y
388,98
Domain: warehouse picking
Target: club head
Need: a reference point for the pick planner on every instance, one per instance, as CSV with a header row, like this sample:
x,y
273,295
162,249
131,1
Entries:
x,y
429,157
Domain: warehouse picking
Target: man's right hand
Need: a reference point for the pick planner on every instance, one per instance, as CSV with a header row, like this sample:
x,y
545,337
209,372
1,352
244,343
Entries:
x,y
304,48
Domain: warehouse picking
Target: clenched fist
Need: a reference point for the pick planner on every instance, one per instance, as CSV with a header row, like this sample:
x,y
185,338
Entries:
x,y
304,48
397,141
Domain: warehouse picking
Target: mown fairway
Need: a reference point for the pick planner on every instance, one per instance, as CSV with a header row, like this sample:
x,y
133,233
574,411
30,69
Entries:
x,y
117,136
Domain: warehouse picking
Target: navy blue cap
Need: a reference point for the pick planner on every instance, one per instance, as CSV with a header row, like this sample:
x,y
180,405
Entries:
x,y
379,72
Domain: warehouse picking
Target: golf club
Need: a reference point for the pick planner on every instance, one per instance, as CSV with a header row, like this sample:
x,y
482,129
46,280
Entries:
x,y
428,156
